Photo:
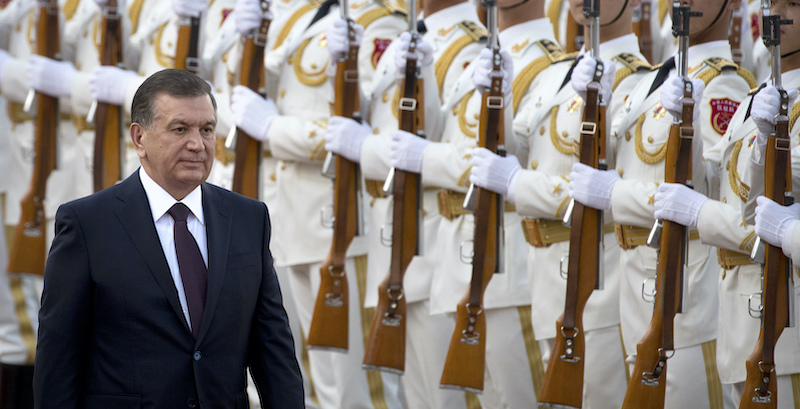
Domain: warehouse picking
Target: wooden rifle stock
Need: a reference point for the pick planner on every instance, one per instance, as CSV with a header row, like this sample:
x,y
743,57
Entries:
x,y
186,51
246,169
329,321
466,358
28,248
386,345
760,387
563,381
107,161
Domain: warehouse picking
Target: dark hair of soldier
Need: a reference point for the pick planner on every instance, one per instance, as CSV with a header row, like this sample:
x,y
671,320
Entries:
x,y
172,82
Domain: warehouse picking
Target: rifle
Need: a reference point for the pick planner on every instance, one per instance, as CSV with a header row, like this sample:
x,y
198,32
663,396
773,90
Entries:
x,y
563,381
28,247
186,51
246,168
647,386
465,362
329,323
761,388
386,346
643,29
107,162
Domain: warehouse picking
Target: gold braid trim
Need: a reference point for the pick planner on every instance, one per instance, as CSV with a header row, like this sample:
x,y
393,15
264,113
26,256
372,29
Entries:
x,y
463,123
748,242
447,57
369,17
25,325
621,75
531,347
526,77
291,21
562,145
374,379
462,181
794,115
69,9
135,11
396,103
741,189
164,60
747,76
643,154
310,78
554,14
562,207
319,152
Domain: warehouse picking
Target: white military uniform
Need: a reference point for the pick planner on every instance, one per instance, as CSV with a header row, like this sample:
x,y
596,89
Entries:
x,y
721,224
761,57
641,147
550,121
296,138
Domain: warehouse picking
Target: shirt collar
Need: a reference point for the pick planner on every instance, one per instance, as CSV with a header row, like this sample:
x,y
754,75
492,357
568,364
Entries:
x,y
529,29
161,201
451,15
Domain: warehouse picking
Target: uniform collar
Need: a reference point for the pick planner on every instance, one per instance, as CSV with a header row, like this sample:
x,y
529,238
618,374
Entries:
x,y
700,52
790,79
628,43
161,201
451,16
539,28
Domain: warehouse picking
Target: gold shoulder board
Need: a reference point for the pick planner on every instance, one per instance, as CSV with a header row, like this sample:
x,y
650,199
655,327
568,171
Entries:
x,y
473,30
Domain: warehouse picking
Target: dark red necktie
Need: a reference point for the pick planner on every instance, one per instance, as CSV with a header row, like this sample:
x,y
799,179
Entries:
x,y
194,273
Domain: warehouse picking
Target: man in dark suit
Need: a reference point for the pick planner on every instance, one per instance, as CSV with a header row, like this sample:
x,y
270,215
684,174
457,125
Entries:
x,y
160,291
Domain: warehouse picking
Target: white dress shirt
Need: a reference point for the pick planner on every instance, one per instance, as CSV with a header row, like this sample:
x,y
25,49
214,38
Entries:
x,y
160,202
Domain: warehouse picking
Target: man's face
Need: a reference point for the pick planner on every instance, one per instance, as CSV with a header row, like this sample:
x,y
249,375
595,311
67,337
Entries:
x,y
179,149
790,33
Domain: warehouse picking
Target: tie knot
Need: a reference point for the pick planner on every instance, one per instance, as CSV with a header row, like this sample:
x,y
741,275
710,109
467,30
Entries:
x,y
179,212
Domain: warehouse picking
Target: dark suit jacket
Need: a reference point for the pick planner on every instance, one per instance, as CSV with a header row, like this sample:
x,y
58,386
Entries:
x,y
111,331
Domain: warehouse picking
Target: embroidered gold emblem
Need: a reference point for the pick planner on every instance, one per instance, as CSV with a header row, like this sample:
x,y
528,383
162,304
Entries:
x,y
557,189
574,104
445,31
519,47
659,112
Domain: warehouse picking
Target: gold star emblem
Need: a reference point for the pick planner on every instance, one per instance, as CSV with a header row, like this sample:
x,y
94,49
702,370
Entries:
x,y
651,199
557,189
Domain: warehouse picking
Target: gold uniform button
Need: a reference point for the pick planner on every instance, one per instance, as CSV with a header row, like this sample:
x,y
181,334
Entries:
x,y
724,200
534,164
283,93
627,136
376,131
621,172
649,139
541,131
385,98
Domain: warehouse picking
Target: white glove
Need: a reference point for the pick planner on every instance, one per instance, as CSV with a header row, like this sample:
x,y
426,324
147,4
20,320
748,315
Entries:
x,y
252,113
774,223
338,42
407,151
50,77
583,74
678,203
494,172
592,187
4,57
248,16
481,79
189,8
424,53
672,93
109,84
345,137
765,111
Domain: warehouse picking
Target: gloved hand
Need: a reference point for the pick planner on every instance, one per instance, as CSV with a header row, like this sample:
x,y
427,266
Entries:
x,y
407,151
592,187
248,16
775,223
672,93
765,111
345,137
424,53
108,84
4,57
189,8
50,77
678,203
494,172
583,74
481,79
338,42
252,113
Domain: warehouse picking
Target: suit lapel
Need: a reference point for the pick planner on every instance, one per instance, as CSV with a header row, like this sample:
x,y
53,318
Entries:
x,y
134,214
218,230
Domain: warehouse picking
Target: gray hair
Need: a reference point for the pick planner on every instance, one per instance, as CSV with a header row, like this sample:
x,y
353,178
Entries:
x,y
172,82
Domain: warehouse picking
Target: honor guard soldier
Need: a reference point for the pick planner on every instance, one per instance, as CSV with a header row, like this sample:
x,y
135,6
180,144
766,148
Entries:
x,y
293,124
720,223
548,120
629,192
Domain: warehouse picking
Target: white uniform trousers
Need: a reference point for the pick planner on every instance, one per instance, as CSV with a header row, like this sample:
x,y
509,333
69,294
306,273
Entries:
x,y
788,391
13,349
514,367
338,379
605,377
427,340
